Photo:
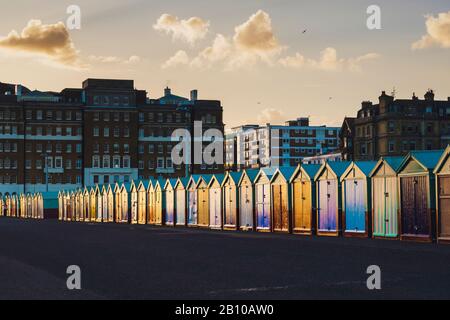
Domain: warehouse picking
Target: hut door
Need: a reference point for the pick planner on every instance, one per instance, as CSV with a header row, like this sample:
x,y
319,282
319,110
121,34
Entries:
x,y
444,207
230,213
263,204
355,212
169,207
246,203
181,207
414,206
214,207
280,213
192,218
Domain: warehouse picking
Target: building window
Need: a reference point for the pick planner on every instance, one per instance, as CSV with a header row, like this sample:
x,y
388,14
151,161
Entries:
x,y
126,132
69,115
59,115
106,148
169,163
95,162
49,131
141,165
39,115
106,116
126,148
116,179
160,148
29,115
69,131
79,116
39,164
105,179
79,148
79,180
141,133
116,132
58,163
151,164
68,164
106,162
391,146
79,164
96,179
141,148
96,131
151,148
116,117
126,162
96,148
39,148
126,178
69,148
141,117
96,116
58,131
58,148
116,148
106,132
116,162
28,164
126,117
160,164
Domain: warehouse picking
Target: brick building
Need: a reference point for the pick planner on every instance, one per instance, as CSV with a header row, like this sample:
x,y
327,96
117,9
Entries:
x,y
253,146
393,127
105,132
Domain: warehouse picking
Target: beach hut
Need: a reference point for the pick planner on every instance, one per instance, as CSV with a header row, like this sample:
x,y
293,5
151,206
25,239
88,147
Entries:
x,y
151,202
329,198
104,199
40,206
442,172
304,199
203,201
246,201
23,206
159,201
73,204
356,199
181,201
86,205
192,201
124,214
7,205
169,193
14,205
110,203
417,192
134,203
80,205
2,206
215,201
93,205
30,205
99,203
230,196
117,202
385,200
263,199
142,201
281,204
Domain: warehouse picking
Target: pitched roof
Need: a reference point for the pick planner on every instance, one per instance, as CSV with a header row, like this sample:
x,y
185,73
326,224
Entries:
x,y
311,169
366,166
429,159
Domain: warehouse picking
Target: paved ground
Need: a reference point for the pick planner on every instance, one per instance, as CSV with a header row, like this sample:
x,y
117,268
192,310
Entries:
x,y
143,262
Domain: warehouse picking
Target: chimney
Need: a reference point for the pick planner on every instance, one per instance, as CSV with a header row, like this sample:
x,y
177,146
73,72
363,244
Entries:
x,y
194,95
167,92
429,96
414,97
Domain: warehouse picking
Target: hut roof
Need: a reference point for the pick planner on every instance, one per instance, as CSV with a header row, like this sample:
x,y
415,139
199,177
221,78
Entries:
x,y
428,159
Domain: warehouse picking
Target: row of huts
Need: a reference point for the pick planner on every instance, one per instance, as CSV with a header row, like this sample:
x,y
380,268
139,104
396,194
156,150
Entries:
x,y
24,206
404,198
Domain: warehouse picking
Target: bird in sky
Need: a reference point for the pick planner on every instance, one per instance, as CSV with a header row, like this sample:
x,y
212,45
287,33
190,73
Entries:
x,y
304,31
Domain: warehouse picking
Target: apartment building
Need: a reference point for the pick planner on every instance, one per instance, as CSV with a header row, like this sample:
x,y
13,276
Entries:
x,y
253,146
394,127
104,132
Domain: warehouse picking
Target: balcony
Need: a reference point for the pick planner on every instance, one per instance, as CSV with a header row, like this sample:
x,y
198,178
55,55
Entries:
x,y
165,170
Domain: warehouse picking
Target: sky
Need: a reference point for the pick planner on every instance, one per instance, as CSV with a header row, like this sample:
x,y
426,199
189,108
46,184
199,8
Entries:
x,y
266,60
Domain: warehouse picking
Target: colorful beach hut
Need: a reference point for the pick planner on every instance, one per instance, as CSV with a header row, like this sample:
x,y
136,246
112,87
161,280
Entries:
x,y
281,204
329,198
356,199
134,204
169,193
442,172
246,201
142,201
417,190
215,201
385,201
181,204
230,192
117,202
192,201
304,199
203,201
151,202
263,199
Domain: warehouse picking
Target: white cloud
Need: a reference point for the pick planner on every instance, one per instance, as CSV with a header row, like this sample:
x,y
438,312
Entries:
x,y
328,61
190,30
114,59
438,32
48,40
270,115
180,58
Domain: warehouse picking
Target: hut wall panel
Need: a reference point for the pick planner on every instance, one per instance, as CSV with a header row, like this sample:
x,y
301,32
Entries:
x,y
180,209
246,206
444,207
142,204
415,218
263,206
230,206
327,206
134,207
280,208
215,208
203,208
170,207
192,207
355,206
